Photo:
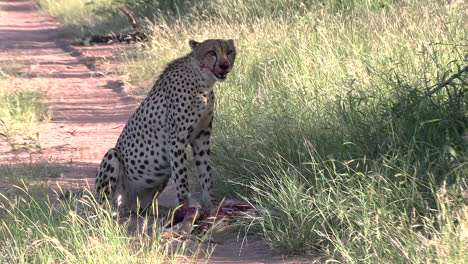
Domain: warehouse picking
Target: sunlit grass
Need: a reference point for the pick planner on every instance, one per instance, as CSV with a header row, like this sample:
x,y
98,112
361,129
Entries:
x,y
39,225
359,216
81,18
22,104
38,228
22,110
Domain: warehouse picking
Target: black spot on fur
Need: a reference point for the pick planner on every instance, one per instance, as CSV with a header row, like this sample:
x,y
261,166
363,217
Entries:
x,y
149,181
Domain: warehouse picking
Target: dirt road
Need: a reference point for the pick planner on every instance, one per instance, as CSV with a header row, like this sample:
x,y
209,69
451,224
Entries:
x,y
88,115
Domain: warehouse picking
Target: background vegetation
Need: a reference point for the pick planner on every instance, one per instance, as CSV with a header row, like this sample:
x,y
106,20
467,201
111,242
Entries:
x,y
22,107
346,119
22,112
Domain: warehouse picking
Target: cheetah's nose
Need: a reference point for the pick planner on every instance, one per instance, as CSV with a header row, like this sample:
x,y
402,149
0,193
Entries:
x,y
224,66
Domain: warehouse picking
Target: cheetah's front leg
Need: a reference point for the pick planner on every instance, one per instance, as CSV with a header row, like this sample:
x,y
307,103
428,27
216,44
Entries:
x,y
178,164
201,153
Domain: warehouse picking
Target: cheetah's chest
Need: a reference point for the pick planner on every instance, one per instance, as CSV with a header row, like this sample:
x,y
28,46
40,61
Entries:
x,y
204,113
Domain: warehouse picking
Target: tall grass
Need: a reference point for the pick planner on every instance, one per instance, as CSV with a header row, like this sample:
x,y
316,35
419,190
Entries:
x,y
349,79
38,228
354,82
361,216
22,106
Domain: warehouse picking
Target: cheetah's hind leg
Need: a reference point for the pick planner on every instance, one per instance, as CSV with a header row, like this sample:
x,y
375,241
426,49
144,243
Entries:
x,y
108,175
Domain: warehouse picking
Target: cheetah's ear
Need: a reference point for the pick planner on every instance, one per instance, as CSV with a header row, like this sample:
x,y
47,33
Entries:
x,y
193,44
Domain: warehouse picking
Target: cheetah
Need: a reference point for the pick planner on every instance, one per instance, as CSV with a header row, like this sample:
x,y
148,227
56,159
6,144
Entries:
x,y
178,111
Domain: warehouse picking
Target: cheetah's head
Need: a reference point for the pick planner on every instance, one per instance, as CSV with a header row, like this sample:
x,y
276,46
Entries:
x,y
215,57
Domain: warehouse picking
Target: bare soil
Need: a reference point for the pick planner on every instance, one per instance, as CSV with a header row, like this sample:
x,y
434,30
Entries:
x,y
89,111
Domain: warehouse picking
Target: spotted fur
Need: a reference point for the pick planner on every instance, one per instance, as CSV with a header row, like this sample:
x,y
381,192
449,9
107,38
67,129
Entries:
x,y
178,111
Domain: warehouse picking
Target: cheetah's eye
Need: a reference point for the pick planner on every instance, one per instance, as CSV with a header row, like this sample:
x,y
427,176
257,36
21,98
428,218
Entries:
x,y
230,52
211,53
